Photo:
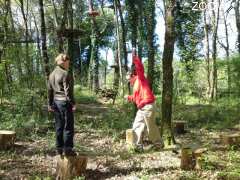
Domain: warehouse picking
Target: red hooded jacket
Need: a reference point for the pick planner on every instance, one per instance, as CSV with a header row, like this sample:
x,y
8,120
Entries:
x,y
142,93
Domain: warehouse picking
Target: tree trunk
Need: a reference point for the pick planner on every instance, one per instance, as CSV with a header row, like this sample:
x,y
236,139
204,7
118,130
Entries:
x,y
94,62
8,73
227,55
28,63
37,68
207,53
62,26
150,24
17,49
167,68
237,17
214,49
133,18
123,35
43,42
116,72
118,47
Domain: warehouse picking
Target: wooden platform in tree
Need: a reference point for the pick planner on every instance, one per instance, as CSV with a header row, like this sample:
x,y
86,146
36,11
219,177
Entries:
x,y
7,139
69,167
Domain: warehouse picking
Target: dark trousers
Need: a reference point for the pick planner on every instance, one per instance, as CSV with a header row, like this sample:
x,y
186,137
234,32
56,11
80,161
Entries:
x,y
64,123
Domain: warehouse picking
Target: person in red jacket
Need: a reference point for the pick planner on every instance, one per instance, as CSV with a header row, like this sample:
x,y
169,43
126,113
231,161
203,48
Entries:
x,y
145,100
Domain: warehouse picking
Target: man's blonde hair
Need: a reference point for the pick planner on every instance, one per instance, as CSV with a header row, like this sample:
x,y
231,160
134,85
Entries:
x,y
61,58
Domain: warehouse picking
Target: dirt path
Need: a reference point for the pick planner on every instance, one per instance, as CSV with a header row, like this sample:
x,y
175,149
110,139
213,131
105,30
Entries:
x,y
108,156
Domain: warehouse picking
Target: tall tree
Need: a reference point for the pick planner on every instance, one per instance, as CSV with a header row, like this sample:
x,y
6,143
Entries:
x,y
215,23
167,69
132,15
150,24
94,61
28,64
189,34
237,17
44,40
207,51
227,49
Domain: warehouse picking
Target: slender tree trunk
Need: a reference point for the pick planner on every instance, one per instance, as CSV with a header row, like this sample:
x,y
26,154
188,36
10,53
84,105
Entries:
x,y
167,68
141,34
6,30
207,53
17,49
94,62
214,49
116,72
123,35
43,40
38,44
133,19
226,48
62,26
28,64
237,17
150,24
118,46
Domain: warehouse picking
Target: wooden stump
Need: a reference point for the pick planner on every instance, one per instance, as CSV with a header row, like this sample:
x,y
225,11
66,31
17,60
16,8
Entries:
x,y
7,139
179,127
129,137
230,139
197,154
191,158
69,167
186,159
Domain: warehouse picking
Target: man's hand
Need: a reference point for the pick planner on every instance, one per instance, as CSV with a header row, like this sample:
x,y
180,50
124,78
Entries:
x,y
50,109
74,108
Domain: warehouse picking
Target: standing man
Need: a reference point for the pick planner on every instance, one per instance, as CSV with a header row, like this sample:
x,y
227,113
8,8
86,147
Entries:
x,y
61,102
145,101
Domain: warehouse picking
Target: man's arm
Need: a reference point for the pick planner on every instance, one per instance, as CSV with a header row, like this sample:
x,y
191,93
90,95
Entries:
x,y
50,96
68,88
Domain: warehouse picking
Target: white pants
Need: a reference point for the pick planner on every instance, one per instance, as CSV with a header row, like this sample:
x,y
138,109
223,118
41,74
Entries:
x,y
145,120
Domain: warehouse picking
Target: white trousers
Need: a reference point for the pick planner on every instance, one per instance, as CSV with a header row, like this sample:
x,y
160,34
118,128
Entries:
x,y
145,121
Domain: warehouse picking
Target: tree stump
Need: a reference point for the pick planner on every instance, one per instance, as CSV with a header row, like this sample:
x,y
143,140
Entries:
x,y
69,167
230,139
129,137
197,154
7,139
191,158
179,127
186,159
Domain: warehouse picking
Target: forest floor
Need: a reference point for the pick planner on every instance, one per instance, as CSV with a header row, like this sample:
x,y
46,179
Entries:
x,y
34,157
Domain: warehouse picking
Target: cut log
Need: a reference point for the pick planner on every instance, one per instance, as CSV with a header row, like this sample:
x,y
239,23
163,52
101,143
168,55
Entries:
x,y
179,127
69,167
186,159
230,139
129,137
7,139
